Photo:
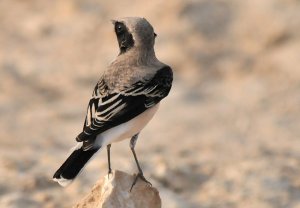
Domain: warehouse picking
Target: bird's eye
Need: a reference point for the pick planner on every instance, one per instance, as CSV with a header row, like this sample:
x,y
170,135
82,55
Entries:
x,y
155,35
119,28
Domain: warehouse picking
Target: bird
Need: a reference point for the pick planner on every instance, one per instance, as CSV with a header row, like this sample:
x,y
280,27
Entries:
x,y
124,100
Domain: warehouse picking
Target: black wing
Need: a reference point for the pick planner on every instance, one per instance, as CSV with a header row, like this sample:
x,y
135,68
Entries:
x,y
109,110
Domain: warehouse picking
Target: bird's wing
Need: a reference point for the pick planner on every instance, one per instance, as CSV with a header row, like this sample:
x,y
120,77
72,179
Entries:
x,y
107,110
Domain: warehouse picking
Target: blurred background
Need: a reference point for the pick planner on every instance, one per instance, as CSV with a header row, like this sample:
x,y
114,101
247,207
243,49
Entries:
x,y
227,135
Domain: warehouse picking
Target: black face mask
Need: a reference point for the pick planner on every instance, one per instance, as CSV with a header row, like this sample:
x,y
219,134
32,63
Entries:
x,y
125,39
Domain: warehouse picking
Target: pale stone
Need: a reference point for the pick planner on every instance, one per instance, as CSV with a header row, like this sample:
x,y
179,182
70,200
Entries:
x,y
114,192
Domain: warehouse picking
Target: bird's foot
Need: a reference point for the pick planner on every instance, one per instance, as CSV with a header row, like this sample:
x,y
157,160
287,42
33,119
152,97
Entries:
x,y
142,177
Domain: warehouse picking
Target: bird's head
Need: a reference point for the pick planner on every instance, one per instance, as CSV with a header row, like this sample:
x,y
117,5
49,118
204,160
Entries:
x,y
134,33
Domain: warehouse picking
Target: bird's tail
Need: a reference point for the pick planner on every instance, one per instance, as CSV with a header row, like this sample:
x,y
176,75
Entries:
x,y
73,165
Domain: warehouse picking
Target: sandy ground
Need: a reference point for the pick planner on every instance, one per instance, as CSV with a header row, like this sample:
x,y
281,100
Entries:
x,y
227,136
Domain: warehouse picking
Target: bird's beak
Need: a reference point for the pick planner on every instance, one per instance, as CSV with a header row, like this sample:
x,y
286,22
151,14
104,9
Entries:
x,y
113,22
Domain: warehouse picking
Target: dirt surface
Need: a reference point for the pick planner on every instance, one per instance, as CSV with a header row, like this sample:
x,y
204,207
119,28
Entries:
x,y
227,135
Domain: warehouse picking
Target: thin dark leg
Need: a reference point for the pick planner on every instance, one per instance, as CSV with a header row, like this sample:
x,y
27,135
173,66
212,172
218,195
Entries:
x,y
108,157
136,161
140,174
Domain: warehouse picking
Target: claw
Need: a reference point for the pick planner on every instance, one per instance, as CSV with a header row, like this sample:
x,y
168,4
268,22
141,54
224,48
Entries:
x,y
142,177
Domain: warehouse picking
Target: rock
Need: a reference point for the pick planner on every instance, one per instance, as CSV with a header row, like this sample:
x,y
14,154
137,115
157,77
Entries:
x,y
114,192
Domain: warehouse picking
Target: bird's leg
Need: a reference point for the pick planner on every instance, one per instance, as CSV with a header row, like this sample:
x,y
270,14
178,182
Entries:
x,y
108,158
140,173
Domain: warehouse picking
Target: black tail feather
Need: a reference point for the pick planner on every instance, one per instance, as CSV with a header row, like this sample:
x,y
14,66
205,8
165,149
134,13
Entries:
x,y
74,163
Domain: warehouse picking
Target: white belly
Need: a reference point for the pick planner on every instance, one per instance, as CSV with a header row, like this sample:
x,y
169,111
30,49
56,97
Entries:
x,y
126,130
